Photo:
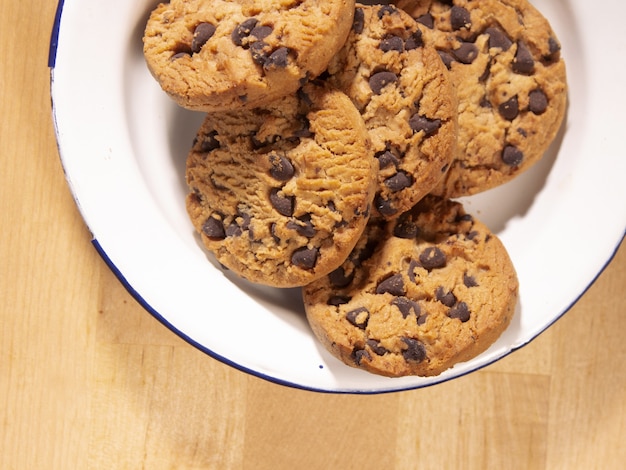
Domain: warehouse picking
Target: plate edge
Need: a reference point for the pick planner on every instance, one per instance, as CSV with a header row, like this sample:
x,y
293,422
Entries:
x,y
54,35
145,305
152,311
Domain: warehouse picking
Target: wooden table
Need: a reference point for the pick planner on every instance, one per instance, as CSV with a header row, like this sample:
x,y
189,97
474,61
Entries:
x,y
88,380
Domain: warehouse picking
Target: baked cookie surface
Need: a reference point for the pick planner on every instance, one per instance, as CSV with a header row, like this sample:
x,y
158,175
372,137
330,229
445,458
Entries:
x,y
505,62
417,295
213,55
405,95
281,194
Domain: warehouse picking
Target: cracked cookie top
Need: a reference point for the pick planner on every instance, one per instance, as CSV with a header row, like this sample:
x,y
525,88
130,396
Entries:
x,y
215,54
405,95
506,64
417,294
281,194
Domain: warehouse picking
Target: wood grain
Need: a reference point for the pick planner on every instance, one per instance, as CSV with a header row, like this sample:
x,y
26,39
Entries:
x,y
89,380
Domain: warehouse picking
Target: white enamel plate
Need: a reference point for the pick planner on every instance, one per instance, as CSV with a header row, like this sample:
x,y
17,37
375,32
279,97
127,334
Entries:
x,y
123,145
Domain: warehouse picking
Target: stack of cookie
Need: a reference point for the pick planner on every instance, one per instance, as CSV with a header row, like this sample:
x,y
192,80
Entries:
x,y
337,134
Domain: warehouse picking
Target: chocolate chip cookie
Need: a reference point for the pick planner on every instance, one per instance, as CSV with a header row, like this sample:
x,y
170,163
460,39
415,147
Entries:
x,y
216,55
405,95
506,64
281,194
417,295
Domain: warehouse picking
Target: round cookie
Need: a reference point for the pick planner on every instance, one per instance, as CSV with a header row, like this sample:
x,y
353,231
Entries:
x,y
417,295
505,62
211,55
405,95
281,194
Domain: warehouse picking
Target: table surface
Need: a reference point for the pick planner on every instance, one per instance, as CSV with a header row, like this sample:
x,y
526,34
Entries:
x,y
88,379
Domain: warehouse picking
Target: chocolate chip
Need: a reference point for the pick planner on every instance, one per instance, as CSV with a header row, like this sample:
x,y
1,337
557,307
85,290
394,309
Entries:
x,y
537,101
277,59
233,230
466,53
422,123
261,32
379,80
242,31
486,73
464,218
359,21
471,235
554,49
342,223
414,41
303,225
338,278
413,265
376,347
399,181
523,62
358,317
305,258
460,18
469,281
386,158
337,300
386,9
208,142
512,156
498,39
180,55
202,33
259,52
284,205
422,319
273,233
509,109
359,355
415,351
446,298
384,206
245,221
406,306
427,20
214,229
405,228
393,285
447,58
392,43
281,167
553,46
460,312
257,144
432,258
359,211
